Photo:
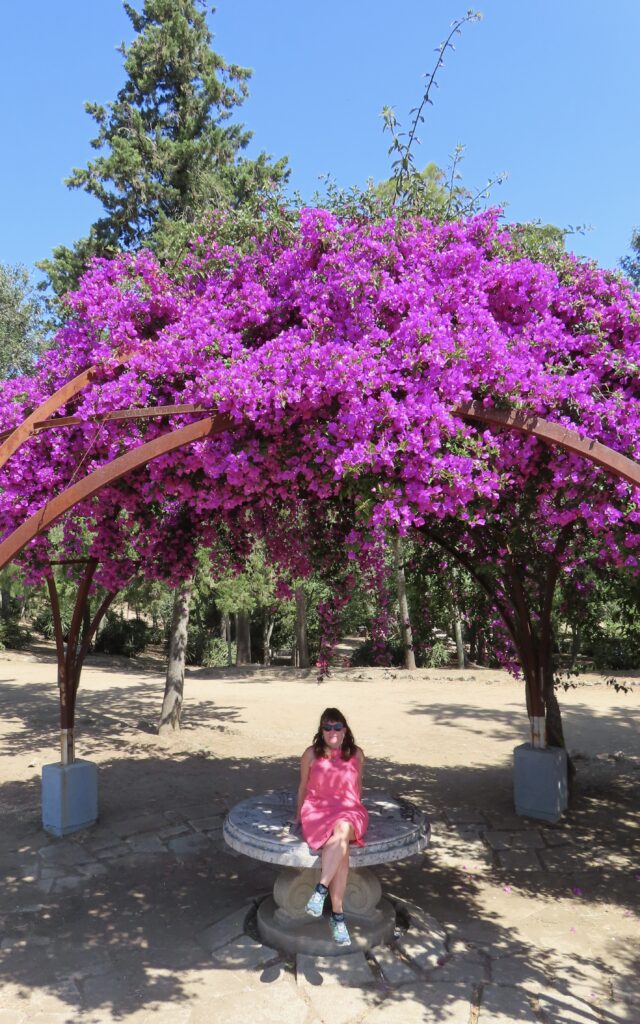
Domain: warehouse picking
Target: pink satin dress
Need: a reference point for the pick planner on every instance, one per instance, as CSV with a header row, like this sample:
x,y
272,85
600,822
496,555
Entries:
x,y
332,795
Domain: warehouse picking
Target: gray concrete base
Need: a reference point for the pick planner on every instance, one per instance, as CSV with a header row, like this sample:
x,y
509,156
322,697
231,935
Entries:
x,y
312,935
540,782
69,797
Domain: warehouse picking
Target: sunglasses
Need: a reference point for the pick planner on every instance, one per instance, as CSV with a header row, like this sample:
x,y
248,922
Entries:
x,y
336,727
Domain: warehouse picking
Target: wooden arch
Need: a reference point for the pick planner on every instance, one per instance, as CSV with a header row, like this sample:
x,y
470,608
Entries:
x,y
70,660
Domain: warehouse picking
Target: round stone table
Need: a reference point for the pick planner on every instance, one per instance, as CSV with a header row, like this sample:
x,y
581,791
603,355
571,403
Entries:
x,y
259,828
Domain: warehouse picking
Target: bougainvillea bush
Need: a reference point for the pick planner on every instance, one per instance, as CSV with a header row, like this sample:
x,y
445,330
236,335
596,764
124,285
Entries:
x,y
340,351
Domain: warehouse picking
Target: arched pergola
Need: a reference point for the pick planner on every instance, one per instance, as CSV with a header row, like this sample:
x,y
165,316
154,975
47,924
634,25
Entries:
x,y
42,418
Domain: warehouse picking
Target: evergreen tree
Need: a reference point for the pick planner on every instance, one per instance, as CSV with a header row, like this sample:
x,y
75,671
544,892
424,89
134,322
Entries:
x,y
21,322
168,150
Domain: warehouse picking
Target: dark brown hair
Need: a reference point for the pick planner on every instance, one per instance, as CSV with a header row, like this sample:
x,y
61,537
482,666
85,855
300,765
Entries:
x,y
348,742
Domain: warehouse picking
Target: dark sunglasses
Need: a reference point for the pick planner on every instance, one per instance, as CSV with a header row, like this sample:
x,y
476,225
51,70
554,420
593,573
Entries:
x,y
336,727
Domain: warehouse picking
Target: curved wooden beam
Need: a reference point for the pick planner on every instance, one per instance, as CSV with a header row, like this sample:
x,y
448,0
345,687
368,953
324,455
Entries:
x,y
60,397
108,474
554,433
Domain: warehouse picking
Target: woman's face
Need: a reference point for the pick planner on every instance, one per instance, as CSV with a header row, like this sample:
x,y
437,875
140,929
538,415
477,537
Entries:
x,y
333,733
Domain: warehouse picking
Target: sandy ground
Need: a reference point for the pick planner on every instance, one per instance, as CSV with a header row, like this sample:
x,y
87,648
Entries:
x,y
565,896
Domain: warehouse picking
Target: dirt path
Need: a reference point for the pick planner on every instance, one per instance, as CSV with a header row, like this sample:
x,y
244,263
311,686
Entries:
x,y
559,902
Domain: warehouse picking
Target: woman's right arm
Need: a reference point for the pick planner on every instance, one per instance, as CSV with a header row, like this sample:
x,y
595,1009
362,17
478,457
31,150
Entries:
x,y
305,765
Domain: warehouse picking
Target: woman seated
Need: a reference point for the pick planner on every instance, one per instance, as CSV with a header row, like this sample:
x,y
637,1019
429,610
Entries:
x,y
331,811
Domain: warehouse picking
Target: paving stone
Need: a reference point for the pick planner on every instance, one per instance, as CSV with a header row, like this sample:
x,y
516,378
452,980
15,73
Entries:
x,y
244,953
172,1015
565,1007
184,845
422,948
519,860
501,1005
95,870
170,831
523,972
560,858
469,970
558,837
528,839
63,853
419,919
465,815
350,969
395,970
111,853
271,1004
214,821
223,931
69,883
148,843
127,827
426,1004
343,1007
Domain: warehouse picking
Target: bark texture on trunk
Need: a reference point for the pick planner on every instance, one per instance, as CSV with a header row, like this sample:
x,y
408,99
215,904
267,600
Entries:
x,y
406,633
457,632
174,684
302,644
243,638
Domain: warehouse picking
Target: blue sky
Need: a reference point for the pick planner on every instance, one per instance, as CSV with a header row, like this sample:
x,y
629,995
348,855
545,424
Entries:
x,y
547,92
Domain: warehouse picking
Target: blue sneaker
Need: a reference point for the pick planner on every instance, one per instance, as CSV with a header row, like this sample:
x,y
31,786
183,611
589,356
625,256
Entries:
x,y
340,932
315,905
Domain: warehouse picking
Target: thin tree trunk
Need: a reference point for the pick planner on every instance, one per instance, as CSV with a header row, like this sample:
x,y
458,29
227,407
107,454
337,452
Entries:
x,y
406,632
457,632
243,639
267,630
6,603
227,631
174,684
302,643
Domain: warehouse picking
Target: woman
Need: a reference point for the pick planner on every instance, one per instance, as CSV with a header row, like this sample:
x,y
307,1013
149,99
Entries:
x,y
331,812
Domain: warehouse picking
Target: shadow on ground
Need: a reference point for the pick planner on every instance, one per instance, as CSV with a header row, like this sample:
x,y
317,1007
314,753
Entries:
x,y
126,937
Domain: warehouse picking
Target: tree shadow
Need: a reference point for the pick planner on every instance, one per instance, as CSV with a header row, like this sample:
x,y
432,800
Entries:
x,y
114,923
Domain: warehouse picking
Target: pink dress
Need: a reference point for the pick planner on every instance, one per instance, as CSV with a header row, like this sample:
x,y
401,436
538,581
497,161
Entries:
x,y
332,795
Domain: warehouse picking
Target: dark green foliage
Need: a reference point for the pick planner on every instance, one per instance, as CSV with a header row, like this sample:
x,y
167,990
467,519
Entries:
x,y
631,264
207,650
22,331
13,635
168,152
127,637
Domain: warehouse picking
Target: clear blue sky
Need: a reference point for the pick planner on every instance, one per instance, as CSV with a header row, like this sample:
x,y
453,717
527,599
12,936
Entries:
x,y
547,91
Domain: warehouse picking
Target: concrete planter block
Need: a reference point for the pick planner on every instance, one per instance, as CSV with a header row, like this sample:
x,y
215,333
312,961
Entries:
x,y
69,797
540,782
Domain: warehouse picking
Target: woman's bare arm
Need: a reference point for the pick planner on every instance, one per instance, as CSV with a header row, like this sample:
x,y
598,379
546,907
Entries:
x,y
305,765
360,756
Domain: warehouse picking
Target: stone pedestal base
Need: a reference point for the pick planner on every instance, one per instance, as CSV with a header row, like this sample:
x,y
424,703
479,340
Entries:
x,y
69,797
540,782
284,923
312,935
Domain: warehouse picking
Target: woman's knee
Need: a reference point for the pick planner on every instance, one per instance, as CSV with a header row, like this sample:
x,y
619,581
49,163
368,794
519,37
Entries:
x,y
344,830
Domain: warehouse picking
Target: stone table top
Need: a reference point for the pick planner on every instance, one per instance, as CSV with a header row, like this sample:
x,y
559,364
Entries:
x,y
258,827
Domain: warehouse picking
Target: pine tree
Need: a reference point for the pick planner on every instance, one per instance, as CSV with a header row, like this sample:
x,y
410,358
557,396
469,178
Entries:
x,y
168,150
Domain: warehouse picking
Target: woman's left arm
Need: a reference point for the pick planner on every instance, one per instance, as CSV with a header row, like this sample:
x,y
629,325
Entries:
x,y
360,757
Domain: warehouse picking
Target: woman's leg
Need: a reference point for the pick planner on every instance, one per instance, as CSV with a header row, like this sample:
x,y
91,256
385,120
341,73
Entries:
x,y
335,851
338,884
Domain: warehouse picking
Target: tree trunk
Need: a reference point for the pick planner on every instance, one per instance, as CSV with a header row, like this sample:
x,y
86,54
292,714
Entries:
x,y
406,633
174,684
6,603
457,632
267,629
302,643
243,638
227,633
